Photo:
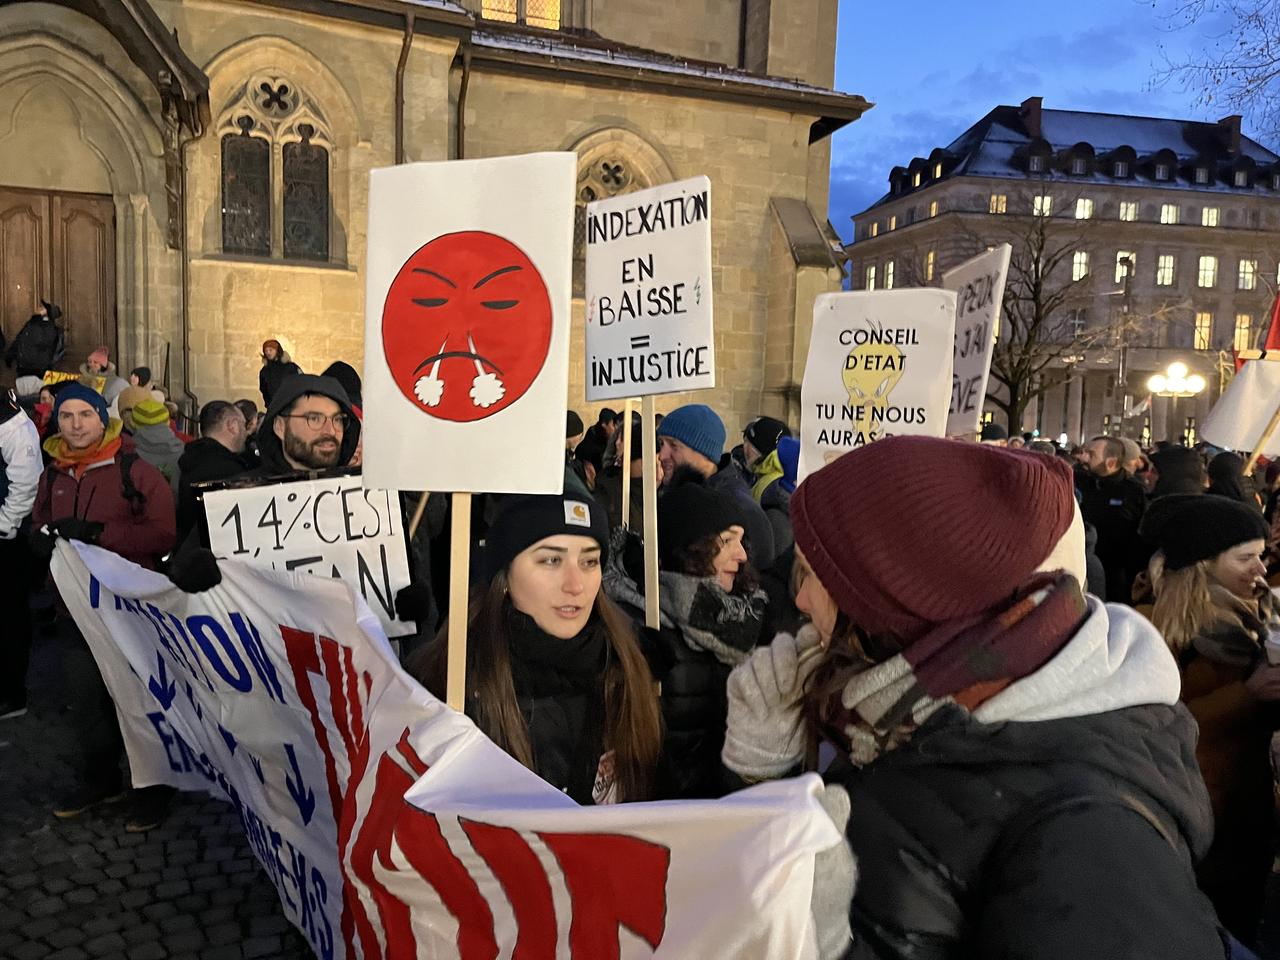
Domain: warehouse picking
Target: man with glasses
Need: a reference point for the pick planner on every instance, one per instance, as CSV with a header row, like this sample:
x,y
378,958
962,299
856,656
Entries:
x,y
309,426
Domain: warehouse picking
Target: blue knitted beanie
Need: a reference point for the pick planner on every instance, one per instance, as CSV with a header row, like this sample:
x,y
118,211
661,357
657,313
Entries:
x,y
78,391
698,427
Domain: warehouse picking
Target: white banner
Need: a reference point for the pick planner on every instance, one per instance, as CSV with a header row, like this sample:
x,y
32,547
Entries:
x,y
467,324
879,365
1242,413
649,318
279,693
979,288
332,527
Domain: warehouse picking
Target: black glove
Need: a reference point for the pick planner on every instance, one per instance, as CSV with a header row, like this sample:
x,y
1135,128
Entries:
x,y
195,570
74,528
414,602
42,542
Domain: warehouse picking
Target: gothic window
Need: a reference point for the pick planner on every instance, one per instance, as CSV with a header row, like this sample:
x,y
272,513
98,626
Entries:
x,y
246,192
276,158
605,177
306,198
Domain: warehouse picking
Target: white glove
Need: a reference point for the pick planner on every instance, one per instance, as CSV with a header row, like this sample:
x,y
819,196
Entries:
x,y
764,734
835,878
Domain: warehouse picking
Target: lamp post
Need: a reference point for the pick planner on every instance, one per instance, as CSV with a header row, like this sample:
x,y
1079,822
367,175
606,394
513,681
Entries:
x,y
1175,383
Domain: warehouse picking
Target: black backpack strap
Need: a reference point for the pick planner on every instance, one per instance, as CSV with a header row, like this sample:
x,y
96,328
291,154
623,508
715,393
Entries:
x,y
136,499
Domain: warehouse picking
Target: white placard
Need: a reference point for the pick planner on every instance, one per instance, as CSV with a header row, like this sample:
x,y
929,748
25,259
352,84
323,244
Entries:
x,y
331,528
649,318
979,288
1242,413
467,324
879,365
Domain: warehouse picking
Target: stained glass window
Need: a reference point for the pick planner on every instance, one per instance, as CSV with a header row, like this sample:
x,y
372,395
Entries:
x,y
246,192
306,199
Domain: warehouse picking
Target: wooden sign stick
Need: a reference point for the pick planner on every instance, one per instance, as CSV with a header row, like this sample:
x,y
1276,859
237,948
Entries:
x,y
649,437
626,464
417,515
459,612
1263,440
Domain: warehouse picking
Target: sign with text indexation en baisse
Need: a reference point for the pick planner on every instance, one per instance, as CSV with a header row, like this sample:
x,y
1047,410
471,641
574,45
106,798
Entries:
x,y
979,288
329,527
649,322
879,365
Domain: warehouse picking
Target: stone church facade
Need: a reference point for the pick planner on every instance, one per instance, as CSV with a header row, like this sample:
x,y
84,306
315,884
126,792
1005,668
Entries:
x,y
188,177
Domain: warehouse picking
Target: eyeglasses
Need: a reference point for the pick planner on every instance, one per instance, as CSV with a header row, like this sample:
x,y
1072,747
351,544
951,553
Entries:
x,y
317,420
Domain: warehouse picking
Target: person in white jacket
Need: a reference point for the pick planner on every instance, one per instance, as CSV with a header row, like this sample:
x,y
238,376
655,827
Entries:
x,y
20,466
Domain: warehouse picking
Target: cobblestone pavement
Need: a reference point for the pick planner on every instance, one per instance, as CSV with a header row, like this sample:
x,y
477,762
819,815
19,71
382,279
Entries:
x,y
82,888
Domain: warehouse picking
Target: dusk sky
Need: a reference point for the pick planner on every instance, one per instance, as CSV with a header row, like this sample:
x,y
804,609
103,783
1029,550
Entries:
x,y
934,68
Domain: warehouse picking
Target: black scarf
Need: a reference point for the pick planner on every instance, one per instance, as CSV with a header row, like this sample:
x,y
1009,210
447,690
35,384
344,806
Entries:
x,y
560,689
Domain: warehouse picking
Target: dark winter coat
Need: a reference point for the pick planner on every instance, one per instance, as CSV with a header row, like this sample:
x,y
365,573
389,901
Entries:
x,y
271,460
729,480
157,444
274,373
203,460
776,504
141,532
39,346
1090,880
1114,506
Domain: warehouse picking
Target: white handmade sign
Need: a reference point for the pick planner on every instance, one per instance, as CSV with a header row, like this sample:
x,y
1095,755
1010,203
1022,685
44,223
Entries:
x,y
879,365
649,317
979,288
1240,416
331,528
389,825
467,324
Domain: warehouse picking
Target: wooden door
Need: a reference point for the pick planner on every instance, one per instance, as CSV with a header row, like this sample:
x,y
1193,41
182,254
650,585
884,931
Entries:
x,y
59,247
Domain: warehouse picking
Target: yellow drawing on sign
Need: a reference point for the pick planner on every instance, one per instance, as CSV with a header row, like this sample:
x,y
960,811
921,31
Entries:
x,y
871,371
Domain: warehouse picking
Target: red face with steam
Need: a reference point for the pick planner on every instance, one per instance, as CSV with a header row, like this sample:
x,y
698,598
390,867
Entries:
x,y
466,326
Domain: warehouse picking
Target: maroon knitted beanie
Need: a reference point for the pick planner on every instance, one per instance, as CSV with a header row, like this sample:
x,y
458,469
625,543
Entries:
x,y
909,532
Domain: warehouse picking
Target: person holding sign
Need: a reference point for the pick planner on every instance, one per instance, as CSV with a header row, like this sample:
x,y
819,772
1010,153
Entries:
x,y
1018,765
554,674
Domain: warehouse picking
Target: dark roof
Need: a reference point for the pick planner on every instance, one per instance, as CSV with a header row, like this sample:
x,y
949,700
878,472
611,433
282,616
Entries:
x,y
999,144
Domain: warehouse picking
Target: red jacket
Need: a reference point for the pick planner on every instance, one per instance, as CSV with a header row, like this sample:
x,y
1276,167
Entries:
x,y
139,534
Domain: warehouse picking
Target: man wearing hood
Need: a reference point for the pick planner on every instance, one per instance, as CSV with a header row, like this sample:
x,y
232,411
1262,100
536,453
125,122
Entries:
x,y
219,454
276,368
310,425
97,490
40,345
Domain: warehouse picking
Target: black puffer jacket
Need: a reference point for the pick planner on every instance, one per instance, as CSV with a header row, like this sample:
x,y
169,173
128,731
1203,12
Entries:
x,y
1092,880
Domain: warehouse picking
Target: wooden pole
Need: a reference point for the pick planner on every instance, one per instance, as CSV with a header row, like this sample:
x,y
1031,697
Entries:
x,y
417,515
459,584
1263,440
626,464
650,439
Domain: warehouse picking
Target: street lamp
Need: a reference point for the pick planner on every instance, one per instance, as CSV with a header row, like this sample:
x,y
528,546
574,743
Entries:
x,y
1175,383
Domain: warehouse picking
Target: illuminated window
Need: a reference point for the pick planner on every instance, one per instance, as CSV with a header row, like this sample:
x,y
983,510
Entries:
x,y
893,222
915,179
1128,211
1079,264
1209,217
937,171
1244,325
999,203
1204,330
1208,275
1168,213
1164,270
1202,175
930,259
1121,257
1247,276
537,13
870,277
1242,178
933,208
1084,209
888,275
875,228
1042,205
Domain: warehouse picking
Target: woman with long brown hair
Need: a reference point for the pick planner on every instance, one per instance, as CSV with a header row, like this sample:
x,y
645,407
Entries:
x,y
1216,612
554,674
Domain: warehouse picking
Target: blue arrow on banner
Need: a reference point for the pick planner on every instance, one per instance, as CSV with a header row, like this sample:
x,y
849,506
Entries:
x,y
302,795
161,687
227,738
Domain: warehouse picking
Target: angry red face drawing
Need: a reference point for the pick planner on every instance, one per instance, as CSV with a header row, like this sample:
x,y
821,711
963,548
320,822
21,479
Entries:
x,y
466,325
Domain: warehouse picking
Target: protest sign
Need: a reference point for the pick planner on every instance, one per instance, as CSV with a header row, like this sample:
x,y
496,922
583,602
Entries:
x,y
98,383
1242,415
648,277
467,324
979,288
330,527
879,365
279,693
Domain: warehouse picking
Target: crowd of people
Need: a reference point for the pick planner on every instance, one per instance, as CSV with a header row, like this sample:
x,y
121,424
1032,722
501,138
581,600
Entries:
x,y
1038,683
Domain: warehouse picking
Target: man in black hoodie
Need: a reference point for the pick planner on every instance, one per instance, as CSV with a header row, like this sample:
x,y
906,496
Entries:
x,y
40,345
219,454
1113,503
310,425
